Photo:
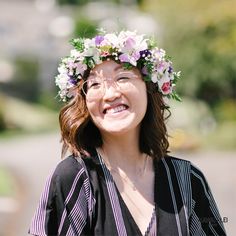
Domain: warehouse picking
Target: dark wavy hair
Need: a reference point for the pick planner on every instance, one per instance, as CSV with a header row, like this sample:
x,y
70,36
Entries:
x,y
80,136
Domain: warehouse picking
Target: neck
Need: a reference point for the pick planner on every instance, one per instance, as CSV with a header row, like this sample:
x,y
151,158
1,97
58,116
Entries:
x,y
122,151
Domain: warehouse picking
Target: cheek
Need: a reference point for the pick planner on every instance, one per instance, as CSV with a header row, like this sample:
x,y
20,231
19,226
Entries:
x,y
141,96
139,101
144,101
92,108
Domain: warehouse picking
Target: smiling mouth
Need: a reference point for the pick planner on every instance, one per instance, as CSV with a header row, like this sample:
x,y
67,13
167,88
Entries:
x,y
114,110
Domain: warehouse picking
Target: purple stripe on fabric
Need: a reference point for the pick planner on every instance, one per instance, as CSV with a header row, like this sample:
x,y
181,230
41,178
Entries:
x,y
78,214
211,200
84,204
72,190
37,226
63,217
70,232
121,230
182,171
173,197
68,199
88,192
151,230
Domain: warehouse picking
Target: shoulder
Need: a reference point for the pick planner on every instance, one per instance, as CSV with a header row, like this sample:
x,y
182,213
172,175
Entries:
x,y
68,166
171,161
183,168
69,170
174,162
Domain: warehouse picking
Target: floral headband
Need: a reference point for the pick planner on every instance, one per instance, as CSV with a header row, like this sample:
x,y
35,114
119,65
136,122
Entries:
x,y
126,47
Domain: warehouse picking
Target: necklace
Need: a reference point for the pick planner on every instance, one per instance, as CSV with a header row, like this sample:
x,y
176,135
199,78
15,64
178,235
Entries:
x,y
129,195
121,174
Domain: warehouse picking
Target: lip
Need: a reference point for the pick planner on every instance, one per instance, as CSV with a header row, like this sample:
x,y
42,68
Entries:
x,y
114,106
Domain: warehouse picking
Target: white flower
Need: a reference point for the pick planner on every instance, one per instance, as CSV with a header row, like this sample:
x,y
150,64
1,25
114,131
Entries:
x,y
80,68
62,69
89,43
110,40
91,52
158,53
62,81
76,54
154,77
132,42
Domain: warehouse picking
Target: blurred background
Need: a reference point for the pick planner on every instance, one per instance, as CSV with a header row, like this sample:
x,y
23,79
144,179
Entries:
x,y
199,35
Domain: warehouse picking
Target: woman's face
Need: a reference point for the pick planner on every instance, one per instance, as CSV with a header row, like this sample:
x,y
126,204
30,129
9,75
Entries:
x,y
116,98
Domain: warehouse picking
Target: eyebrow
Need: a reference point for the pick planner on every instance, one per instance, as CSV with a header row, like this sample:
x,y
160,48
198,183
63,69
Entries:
x,y
118,67
91,74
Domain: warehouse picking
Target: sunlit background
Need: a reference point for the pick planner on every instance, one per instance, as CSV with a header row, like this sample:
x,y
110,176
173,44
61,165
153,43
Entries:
x,y
199,35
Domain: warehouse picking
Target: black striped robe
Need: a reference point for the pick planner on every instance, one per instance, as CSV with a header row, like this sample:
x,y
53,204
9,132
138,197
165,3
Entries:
x,y
80,198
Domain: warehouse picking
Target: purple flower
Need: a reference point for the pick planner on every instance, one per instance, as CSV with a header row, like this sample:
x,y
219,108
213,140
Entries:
x,y
136,55
98,39
145,53
162,66
124,58
144,70
72,80
170,70
129,43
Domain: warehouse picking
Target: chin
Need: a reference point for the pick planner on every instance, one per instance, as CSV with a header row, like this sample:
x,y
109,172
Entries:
x,y
117,127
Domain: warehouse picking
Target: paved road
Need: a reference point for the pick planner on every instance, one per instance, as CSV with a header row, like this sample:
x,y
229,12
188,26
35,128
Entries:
x,y
31,159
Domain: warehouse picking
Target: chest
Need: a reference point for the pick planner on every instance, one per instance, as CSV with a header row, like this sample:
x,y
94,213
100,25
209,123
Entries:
x,y
138,197
116,210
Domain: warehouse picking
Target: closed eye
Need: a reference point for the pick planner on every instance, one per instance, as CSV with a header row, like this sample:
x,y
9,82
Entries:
x,y
94,85
123,78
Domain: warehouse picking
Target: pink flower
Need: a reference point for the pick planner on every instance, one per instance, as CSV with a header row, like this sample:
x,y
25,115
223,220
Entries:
x,y
166,88
129,44
105,54
132,59
164,83
136,55
124,58
162,66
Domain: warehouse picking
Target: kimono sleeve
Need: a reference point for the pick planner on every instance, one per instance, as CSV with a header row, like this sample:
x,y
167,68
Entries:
x,y
205,218
65,203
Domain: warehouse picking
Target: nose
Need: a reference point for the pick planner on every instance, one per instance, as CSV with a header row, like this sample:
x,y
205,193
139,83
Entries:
x,y
111,91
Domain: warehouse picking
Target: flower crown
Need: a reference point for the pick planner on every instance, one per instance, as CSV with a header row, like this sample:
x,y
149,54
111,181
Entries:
x,y
126,47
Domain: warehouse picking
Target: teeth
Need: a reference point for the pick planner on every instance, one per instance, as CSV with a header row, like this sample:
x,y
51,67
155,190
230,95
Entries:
x,y
116,109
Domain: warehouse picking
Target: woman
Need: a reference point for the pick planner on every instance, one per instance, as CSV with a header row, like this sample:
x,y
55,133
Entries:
x,y
119,179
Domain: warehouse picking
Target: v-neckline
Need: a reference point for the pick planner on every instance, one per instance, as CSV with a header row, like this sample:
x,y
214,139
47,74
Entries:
x,y
122,202
130,217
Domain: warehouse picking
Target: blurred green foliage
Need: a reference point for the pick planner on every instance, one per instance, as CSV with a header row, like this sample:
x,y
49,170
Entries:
x,y
84,27
25,84
2,120
226,110
49,100
7,183
201,37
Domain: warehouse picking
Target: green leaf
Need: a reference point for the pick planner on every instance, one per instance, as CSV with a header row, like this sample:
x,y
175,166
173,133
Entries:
x,y
147,78
176,97
78,44
127,66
